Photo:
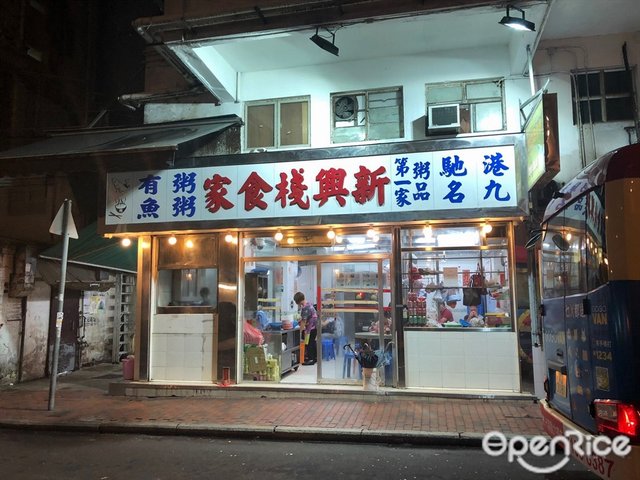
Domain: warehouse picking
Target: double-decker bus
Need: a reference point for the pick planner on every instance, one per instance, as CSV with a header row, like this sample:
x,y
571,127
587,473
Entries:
x,y
590,279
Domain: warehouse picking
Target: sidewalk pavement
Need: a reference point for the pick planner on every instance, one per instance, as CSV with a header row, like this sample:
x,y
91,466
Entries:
x,y
82,403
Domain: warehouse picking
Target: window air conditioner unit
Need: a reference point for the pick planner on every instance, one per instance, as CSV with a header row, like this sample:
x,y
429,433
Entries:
x,y
443,118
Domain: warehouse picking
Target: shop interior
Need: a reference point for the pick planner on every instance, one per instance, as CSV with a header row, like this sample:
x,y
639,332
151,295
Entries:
x,y
348,283
462,270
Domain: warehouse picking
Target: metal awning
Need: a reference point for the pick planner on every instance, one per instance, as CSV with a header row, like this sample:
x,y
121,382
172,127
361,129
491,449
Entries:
x,y
93,250
162,136
72,151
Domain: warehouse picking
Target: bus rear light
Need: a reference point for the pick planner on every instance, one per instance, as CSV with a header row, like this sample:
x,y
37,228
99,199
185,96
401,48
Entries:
x,y
613,418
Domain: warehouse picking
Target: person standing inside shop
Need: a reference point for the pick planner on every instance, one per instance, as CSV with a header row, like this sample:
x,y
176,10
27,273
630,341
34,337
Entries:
x,y
308,319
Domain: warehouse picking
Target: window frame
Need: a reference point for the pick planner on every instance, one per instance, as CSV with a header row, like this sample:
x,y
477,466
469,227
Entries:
x,y
277,122
363,112
601,97
469,103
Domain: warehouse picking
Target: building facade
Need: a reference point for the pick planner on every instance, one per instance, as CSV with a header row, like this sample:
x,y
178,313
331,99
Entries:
x,y
369,131
380,143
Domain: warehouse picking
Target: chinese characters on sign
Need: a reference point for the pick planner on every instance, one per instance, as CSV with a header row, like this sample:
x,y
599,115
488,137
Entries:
x,y
469,178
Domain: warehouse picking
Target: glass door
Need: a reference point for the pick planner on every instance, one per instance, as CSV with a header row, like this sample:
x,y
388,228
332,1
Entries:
x,y
352,297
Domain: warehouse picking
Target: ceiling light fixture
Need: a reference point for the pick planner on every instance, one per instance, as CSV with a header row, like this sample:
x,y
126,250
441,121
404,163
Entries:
x,y
331,234
517,23
486,228
172,240
228,238
323,43
371,232
278,236
125,242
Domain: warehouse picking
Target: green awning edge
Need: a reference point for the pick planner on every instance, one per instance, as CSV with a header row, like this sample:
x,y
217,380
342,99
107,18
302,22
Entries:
x,y
93,250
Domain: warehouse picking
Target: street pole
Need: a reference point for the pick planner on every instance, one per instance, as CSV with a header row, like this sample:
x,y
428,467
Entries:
x,y
53,376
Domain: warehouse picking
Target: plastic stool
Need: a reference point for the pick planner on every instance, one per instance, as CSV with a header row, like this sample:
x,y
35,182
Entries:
x,y
327,349
346,364
342,341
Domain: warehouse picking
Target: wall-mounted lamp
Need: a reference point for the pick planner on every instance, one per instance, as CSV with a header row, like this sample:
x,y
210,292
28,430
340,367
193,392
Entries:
x,y
172,240
371,232
229,238
486,228
125,242
290,240
278,236
517,23
427,231
323,43
189,243
331,234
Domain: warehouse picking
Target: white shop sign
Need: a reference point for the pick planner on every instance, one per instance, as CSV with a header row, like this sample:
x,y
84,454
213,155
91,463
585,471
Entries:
x,y
455,179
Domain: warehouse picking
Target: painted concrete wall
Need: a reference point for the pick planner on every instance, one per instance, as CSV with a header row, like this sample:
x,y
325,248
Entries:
x,y
97,333
34,356
554,61
10,319
411,72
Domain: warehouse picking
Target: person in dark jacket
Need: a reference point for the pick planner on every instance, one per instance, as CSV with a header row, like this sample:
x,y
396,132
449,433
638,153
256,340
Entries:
x,y
309,321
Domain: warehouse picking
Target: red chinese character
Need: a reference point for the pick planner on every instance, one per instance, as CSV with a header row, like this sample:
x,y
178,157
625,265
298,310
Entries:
x,y
331,184
254,189
297,191
368,183
216,191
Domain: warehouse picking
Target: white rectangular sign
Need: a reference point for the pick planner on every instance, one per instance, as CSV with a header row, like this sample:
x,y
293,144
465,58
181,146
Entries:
x,y
455,179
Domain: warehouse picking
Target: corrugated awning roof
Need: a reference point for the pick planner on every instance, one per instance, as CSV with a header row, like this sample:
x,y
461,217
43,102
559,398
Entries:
x,y
93,250
150,137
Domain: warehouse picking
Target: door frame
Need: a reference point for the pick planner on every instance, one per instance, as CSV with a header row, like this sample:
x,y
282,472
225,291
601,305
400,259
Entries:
x,y
379,260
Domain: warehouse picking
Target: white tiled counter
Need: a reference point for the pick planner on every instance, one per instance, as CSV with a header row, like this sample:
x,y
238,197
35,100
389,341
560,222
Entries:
x,y
182,347
462,360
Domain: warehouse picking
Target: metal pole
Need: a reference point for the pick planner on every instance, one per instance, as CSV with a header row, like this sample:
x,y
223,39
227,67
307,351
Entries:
x,y
53,375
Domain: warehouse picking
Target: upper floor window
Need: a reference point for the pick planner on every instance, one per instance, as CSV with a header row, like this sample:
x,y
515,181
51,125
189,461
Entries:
x,y
469,107
277,123
602,96
367,115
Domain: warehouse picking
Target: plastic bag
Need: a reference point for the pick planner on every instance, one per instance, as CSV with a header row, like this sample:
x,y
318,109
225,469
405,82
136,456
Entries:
x,y
471,296
252,335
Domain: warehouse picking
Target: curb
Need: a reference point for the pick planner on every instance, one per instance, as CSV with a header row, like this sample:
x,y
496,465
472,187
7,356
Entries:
x,y
443,439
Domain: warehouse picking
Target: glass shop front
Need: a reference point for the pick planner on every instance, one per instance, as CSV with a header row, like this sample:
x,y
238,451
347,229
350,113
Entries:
x,y
436,311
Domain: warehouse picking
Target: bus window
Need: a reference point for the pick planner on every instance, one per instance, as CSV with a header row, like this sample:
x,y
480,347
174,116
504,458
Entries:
x,y
563,265
595,253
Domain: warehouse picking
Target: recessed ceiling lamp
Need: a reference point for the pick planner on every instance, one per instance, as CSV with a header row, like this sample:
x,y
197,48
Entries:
x,y
517,23
323,43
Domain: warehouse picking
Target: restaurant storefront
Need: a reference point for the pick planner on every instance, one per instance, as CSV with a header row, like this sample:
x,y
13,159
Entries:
x,y
407,248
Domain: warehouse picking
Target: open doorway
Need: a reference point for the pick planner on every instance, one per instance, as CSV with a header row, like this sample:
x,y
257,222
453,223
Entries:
x,y
351,295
